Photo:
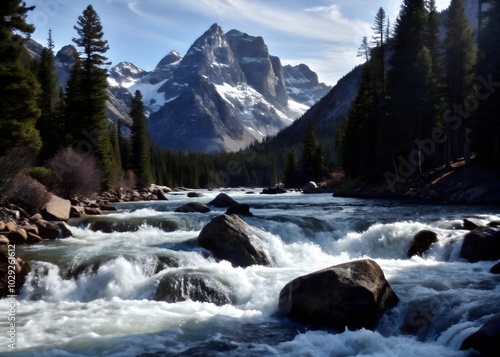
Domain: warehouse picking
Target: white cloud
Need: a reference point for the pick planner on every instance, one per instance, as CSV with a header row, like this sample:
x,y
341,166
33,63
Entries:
x,y
336,37
319,23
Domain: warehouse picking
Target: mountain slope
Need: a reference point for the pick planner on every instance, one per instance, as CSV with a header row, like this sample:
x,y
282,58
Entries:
x,y
228,79
226,92
326,115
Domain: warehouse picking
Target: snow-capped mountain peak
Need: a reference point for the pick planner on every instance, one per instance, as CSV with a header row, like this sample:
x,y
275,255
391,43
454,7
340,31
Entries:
x,y
224,93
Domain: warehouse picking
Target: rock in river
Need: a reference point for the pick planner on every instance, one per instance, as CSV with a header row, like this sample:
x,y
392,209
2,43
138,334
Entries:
x,y
422,241
487,339
481,244
222,200
192,207
229,238
353,295
181,286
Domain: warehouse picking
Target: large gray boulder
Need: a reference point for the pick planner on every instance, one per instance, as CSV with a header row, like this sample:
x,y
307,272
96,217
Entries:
x,y
181,286
481,244
57,209
229,238
353,295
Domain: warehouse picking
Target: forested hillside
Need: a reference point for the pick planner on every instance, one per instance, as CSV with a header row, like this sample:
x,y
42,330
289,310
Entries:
x,y
432,102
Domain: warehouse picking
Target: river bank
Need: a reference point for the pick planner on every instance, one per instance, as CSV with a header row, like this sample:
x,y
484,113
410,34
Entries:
x,y
470,184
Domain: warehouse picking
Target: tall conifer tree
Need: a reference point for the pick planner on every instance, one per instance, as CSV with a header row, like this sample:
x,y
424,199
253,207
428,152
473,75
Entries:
x,y
48,123
486,132
87,112
141,149
309,152
460,55
19,89
432,41
359,139
405,85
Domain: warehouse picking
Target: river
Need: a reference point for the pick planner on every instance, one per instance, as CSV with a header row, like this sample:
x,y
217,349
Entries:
x,y
91,295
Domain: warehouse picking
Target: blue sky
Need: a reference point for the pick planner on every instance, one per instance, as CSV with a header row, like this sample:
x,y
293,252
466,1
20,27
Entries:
x,y
323,34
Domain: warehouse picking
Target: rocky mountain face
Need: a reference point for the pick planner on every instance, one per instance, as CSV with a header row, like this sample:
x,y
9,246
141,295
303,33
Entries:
x,y
226,92
303,85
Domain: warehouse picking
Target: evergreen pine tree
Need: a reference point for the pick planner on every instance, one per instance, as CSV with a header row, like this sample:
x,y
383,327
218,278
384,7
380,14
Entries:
x,y
359,141
117,168
432,41
379,39
460,54
13,26
19,89
357,137
364,49
486,132
319,164
290,174
48,125
404,84
309,153
141,151
87,112
125,146
74,99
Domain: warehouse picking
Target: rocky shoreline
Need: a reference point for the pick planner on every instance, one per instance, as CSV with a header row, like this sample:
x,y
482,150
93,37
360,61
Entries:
x,y
457,184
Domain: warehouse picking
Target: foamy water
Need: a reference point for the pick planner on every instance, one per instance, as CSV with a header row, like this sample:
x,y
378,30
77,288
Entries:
x,y
91,295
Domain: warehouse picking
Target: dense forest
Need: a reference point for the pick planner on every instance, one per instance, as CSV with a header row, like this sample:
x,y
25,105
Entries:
x,y
426,100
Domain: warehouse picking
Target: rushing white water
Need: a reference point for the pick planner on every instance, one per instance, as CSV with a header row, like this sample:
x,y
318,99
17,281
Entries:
x,y
92,294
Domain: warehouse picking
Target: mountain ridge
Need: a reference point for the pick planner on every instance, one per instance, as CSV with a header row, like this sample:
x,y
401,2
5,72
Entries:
x,y
244,74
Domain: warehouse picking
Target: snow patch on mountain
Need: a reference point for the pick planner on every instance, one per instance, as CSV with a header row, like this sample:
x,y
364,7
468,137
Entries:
x,y
153,99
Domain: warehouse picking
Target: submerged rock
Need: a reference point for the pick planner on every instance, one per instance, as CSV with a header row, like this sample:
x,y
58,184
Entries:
x,y
422,241
222,200
273,191
487,339
353,295
108,224
181,286
240,209
481,244
472,223
229,238
312,188
193,207
495,269
495,224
